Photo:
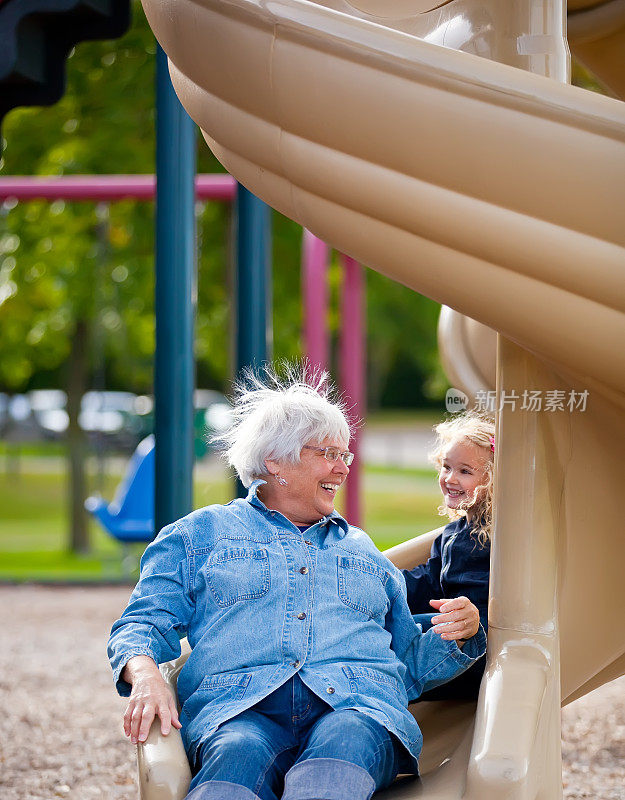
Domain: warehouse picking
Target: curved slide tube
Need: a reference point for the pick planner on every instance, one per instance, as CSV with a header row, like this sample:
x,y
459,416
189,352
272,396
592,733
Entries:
x,y
498,193
468,352
420,135
596,35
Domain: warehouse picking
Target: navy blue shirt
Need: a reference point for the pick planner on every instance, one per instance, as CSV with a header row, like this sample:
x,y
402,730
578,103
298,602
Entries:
x,y
458,565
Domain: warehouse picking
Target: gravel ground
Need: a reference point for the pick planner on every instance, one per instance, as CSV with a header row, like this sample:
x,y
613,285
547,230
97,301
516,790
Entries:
x,y
61,736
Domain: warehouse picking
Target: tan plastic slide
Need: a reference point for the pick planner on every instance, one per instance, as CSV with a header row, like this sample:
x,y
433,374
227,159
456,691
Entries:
x,y
417,137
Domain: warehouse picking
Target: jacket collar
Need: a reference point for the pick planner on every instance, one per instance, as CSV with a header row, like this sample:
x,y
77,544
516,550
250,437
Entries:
x,y
254,500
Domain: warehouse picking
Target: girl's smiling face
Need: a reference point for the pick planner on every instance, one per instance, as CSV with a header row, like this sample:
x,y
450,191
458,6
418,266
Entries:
x,y
463,470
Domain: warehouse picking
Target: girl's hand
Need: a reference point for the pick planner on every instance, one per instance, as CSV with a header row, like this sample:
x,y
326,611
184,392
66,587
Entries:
x,y
458,619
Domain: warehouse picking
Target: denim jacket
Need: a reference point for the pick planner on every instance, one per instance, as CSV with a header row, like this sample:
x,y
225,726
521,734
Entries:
x,y
259,601
458,565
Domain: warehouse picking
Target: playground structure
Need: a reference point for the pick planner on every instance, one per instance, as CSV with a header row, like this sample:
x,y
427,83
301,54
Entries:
x,y
130,516
36,36
390,131
175,269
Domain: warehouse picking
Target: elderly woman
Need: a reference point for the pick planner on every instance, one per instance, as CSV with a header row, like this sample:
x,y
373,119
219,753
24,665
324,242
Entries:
x,y
304,653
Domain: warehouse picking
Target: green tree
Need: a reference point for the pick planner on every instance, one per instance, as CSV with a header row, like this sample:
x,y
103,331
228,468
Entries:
x,y
77,279
104,124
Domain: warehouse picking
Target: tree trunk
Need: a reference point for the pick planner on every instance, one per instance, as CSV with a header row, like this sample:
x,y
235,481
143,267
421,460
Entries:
x,y
76,443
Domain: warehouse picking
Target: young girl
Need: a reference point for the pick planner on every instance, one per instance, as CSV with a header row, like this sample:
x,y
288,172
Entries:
x,y
459,562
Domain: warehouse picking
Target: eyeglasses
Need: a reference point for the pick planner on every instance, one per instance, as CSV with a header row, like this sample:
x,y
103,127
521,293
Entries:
x,y
332,454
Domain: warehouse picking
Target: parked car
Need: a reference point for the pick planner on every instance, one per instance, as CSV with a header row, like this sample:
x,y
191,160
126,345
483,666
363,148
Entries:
x,y
26,418
118,420
213,414
110,419
115,419
48,408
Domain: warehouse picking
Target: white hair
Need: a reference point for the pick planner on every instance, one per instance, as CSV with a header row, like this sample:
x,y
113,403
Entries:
x,y
274,418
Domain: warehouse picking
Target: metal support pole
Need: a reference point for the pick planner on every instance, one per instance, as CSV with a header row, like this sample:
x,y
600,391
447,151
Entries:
x,y
253,285
174,366
315,291
352,365
253,281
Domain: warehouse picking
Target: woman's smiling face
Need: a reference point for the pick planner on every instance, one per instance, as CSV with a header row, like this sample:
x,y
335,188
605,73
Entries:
x,y
463,470
311,484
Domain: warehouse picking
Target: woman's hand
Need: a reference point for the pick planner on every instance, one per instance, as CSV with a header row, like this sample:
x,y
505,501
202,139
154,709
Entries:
x,y
458,619
150,697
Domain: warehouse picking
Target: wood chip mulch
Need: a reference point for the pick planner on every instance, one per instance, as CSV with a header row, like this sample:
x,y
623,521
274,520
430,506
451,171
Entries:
x,y
61,733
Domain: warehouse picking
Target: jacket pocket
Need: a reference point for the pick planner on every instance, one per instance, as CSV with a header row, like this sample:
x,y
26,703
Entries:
x,y
216,691
361,586
353,674
238,573
235,685
384,689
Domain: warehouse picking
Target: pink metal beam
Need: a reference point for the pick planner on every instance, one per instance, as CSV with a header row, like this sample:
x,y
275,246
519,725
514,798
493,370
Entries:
x,y
107,187
352,364
315,291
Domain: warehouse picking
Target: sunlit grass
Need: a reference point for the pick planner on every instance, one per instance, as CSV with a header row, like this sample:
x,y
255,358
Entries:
x,y
398,504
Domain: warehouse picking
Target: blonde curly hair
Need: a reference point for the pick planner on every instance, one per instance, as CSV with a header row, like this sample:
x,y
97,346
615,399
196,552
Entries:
x,y
478,430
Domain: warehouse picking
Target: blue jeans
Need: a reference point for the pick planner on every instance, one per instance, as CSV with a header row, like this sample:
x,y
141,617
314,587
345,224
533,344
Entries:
x,y
293,746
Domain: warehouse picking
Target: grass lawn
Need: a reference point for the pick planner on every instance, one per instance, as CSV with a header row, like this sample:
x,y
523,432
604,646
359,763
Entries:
x,y
399,504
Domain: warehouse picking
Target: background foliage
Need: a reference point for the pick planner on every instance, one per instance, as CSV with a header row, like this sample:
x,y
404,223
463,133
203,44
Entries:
x,y
64,262
83,273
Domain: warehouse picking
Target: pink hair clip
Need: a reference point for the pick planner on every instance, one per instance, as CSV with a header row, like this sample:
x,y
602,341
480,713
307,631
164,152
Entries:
x,y
491,439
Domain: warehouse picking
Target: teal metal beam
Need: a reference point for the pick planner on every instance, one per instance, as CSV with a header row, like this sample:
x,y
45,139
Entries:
x,y
253,285
174,368
253,281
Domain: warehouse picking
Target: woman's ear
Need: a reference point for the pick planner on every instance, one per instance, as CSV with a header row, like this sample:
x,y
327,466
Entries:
x,y
272,467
